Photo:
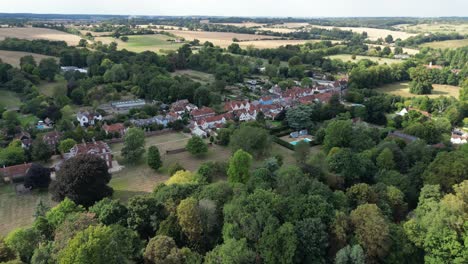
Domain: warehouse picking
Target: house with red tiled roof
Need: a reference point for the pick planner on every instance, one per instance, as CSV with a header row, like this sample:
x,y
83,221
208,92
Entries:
x,y
98,148
323,98
181,106
309,99
204,112
52,138
211,121
236,105
12,173
114,129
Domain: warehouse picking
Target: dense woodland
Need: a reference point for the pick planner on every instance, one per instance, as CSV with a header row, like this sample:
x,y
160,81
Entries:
x,y
365,198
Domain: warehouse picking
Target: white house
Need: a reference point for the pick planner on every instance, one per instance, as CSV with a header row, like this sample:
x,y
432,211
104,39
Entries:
x,y
196,131
210,122
236,105
88,119
245,115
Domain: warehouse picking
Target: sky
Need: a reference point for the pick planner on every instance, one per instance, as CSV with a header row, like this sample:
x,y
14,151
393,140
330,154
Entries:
x,y
264,8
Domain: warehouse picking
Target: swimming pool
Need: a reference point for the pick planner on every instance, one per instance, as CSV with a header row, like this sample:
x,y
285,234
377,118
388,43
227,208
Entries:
x,y
294,143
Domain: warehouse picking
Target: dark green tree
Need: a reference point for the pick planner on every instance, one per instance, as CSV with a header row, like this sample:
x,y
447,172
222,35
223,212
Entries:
x,y
196,146
83,179
48,68
154,158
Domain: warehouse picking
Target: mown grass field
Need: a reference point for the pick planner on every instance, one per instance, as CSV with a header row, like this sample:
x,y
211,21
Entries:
x,y
447,44
139,43
18,210
402,89
13,57
197,76
9,99
348,57
31,33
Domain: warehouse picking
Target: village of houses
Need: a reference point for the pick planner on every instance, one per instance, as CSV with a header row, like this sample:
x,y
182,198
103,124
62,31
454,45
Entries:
x,y
203,122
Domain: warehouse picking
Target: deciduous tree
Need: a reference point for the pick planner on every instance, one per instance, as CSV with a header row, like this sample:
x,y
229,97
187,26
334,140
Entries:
x,y
239,166
134,145
83,179
196,146
154,158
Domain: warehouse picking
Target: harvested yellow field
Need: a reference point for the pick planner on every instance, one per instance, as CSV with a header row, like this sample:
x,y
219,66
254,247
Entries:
x,y
13,57
278,29
447,44
374,33
222,39
95,34
31,33
379,60
243,24
402,89
405,50
293,25
434,28
270,44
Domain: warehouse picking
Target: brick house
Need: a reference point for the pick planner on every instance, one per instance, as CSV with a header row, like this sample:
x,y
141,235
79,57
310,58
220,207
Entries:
x,y
52,138
98,148
204,112
12,173
114,129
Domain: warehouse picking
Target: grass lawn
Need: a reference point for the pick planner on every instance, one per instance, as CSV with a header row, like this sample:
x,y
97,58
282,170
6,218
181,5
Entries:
x,y
9,99
347,57
48,88
447,44
139,178
139,43
197,76
26,120
17,210
402,89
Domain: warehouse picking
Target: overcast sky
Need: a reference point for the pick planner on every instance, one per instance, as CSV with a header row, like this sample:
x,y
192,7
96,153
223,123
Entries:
x,y
284,8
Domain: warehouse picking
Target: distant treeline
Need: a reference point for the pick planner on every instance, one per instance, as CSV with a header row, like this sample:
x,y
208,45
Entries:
x,y
425,38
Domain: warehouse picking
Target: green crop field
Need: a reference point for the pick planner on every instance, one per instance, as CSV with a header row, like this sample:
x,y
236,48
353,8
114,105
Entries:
x,y
139,43
348,57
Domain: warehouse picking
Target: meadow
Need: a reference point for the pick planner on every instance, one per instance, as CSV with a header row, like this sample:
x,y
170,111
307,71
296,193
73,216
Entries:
x,y
17,210
13,57
197,76
447,44
9,99
31,33
348,57
402,89
139,43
